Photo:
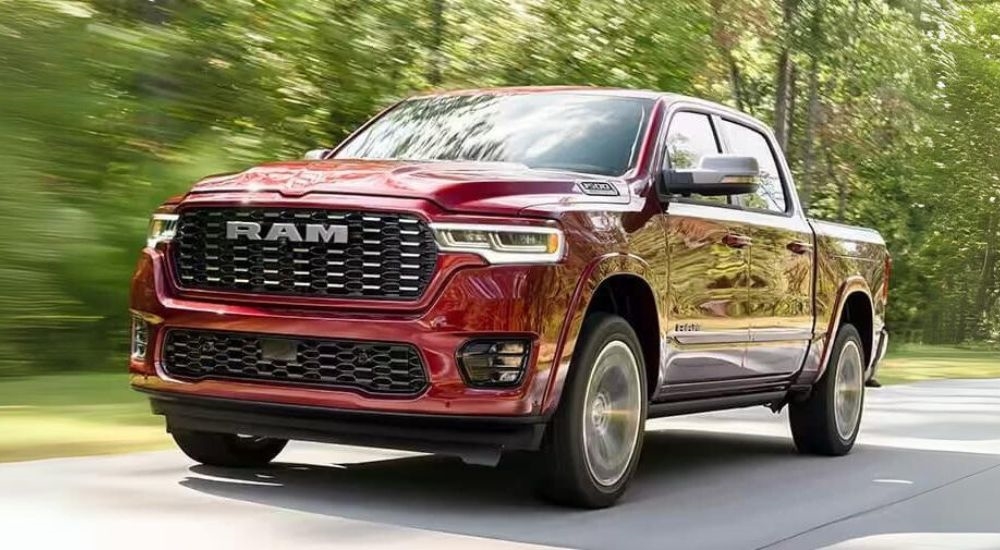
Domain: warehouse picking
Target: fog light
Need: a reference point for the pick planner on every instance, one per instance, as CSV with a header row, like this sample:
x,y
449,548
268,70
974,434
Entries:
x,y
494,363
140,337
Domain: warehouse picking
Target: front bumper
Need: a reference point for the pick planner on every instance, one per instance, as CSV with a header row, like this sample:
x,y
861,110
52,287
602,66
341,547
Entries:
x,y
476,439
472,300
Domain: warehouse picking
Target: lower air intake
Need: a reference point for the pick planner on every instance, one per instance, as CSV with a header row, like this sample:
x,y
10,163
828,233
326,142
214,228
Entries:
x,y
374,367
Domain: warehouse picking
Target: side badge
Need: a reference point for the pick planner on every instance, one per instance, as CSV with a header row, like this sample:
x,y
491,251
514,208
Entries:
x,y
600,188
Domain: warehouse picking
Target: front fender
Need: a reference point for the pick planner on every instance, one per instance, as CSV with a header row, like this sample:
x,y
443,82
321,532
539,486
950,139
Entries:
x,y
593,275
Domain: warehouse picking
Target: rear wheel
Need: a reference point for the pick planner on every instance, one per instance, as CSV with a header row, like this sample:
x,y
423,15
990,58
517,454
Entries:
x,y
228,450
593,443
827,422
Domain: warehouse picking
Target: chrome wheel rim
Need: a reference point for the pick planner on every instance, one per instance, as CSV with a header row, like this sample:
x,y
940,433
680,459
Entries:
x,y
849,388
611,415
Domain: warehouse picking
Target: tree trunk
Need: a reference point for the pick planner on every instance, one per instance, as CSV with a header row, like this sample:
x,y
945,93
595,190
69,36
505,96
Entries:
x,y
808,140
785,77
434,72
963,314
735,80
841,200
781,98
793,94
155,13
840,183
724,40
987,280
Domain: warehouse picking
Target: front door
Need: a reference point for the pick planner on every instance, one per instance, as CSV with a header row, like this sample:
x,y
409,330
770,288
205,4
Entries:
x,y
709,262
709,259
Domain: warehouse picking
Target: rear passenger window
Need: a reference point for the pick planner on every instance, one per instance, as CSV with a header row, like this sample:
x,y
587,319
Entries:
x,y
690,138
751,143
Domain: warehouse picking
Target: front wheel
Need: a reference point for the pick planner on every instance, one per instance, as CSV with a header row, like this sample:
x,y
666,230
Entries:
x,y
228,450
827,422
593,443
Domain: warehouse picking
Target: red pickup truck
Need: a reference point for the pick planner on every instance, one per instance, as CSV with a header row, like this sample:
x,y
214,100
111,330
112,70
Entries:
x,y
534,269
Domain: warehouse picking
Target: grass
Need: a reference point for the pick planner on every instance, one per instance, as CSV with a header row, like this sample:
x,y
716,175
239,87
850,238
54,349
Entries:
x,y
74,415
90,414
915,362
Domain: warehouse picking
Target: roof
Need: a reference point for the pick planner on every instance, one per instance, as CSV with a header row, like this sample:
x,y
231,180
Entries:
x,y
514,90
595,90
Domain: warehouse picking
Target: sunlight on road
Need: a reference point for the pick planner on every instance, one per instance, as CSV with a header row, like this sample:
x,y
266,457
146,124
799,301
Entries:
x,y
928,462
908,417
922,541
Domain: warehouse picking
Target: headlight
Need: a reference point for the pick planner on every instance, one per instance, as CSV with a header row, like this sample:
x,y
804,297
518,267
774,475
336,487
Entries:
x,y
161,229
502,244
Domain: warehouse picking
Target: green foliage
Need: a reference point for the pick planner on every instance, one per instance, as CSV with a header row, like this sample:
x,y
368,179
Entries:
x,y
949,278
109,106
916,362
75,414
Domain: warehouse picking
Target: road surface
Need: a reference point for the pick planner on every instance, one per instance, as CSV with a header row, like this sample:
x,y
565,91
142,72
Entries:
x,y
926,474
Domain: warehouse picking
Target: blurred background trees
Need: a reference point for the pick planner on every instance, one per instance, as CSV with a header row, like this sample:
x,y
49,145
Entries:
x,y
889,111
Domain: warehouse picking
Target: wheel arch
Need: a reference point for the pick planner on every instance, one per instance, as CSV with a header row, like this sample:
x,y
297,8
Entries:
x,y
856,307
618,284
631,297
859,312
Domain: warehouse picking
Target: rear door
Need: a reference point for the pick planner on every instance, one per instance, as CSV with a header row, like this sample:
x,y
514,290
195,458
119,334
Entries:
x,y
709,254
781,258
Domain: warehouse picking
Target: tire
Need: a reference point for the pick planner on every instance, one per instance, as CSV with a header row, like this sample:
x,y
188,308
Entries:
x,y
589,455
228,450
819,427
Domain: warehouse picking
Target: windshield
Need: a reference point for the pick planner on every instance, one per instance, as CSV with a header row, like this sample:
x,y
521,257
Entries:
x,y
561,131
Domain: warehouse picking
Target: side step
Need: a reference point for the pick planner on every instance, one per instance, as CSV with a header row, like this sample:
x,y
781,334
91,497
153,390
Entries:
x,y
706,404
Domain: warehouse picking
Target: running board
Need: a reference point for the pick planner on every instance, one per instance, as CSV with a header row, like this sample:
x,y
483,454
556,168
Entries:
x,y
691,406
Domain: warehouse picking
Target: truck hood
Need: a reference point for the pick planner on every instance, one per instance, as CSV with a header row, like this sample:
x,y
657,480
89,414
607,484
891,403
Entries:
x,y
501,188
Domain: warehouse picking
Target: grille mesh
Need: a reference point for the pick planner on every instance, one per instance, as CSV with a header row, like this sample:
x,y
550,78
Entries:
x,y
375,367
386,256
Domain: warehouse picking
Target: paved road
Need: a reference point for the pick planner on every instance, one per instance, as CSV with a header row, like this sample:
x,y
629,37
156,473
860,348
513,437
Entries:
x,y
926,475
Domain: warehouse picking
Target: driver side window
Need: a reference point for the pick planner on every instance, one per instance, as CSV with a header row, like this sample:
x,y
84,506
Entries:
x,y
689,138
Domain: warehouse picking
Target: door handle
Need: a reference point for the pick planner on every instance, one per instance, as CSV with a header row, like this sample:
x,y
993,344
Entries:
x,y
735,240
799,247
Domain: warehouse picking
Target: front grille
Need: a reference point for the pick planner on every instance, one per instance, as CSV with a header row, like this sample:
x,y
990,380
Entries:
x,y
386,256
376,367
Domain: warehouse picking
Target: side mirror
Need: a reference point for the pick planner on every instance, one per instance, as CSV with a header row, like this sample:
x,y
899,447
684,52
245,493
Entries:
x,y
316,154
715,175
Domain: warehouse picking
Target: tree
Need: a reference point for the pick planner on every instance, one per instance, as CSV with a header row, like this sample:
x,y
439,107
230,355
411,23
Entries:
x,y
109,106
